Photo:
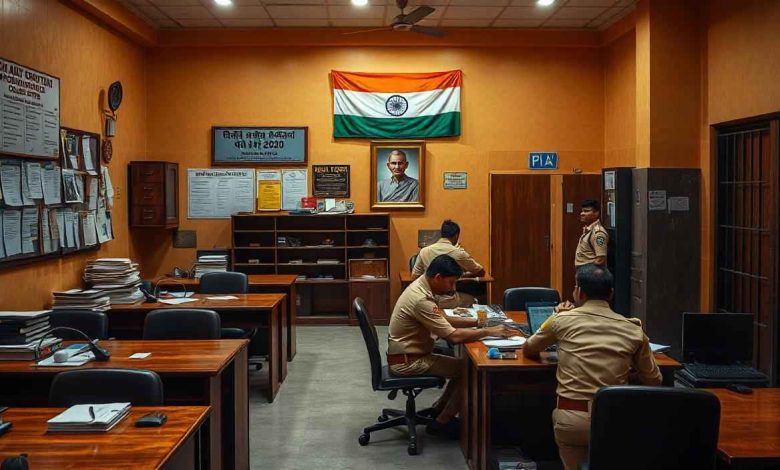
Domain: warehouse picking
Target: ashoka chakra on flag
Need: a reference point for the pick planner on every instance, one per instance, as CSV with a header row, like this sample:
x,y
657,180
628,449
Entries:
x,y
396,105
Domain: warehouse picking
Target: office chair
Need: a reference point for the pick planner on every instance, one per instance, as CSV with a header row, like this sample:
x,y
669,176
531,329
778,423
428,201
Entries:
x,y
653,428
182,323
94,324
382,380
516,297
412,262
138,386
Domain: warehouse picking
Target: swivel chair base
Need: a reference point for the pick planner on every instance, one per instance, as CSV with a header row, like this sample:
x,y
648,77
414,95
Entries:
x,y
409,418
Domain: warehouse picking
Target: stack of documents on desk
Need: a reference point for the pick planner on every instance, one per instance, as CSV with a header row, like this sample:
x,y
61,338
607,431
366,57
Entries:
x,y
210,264
81,299
20,333
118,278
89,418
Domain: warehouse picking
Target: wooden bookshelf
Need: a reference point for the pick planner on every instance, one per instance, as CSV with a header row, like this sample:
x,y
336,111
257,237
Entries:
x,y
280,243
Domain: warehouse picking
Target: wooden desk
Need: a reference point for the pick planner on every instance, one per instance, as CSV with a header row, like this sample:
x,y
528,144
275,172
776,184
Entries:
x,y
266,312
749,434
498,394
194,372
259,283
467,284
174,445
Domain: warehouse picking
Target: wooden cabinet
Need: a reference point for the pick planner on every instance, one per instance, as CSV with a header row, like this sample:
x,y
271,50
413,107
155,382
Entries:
x,y
154,194
320,249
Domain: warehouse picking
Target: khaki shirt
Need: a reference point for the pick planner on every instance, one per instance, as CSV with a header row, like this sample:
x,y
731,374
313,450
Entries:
x,y
596,348
444,247
415,317
593,243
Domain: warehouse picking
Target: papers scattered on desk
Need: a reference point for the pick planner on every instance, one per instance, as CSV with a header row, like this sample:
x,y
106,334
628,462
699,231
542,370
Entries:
x,y
659,348
511,342
176,301
139,355
222,297
79,418
73,361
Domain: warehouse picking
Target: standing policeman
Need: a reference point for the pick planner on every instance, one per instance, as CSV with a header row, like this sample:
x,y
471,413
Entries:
x,y
592,248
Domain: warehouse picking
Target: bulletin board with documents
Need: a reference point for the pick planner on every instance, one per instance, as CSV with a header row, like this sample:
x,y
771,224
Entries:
x,y
49,208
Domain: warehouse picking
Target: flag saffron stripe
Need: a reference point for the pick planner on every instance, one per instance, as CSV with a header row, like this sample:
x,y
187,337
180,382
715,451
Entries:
x,y
395,83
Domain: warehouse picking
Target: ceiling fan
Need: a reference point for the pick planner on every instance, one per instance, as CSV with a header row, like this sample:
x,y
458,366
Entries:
x,y
408,22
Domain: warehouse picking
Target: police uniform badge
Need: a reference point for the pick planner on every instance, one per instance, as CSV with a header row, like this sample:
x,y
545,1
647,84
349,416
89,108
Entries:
x,y
601,240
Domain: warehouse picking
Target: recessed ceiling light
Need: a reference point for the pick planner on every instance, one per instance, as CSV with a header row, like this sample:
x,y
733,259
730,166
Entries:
x,y
223,3
545,3
360,3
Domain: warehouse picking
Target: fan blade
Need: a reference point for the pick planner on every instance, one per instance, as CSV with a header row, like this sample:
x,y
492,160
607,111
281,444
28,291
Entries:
x,y
361,31
429,31
418,14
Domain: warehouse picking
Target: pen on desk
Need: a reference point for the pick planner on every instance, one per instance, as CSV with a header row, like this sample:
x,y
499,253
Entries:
x,y
91,413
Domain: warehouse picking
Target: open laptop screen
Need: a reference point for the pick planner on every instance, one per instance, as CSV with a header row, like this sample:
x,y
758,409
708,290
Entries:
x,y
717,338
537,316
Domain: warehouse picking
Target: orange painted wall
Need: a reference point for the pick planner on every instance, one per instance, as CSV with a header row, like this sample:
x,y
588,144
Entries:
x,y
54,38
514,101
620,101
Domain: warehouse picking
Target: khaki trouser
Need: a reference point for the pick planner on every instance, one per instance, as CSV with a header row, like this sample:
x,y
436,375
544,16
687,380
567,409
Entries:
x,y
459,299
572,434
448,404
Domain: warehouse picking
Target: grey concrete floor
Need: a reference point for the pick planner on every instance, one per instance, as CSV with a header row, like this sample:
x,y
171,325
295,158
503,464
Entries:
x,y
323,406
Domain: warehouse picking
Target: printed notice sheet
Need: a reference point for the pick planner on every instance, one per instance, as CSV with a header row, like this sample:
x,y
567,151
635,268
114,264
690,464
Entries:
x,y
217,194
294,187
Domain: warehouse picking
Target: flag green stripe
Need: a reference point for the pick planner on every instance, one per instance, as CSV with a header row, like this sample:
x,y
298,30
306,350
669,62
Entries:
x,y
440,125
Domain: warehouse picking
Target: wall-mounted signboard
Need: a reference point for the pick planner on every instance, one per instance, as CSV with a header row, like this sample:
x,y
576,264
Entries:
x,y
244,146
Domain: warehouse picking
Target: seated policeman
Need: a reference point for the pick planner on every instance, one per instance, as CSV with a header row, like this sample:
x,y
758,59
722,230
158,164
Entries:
x,y
409,350
596,348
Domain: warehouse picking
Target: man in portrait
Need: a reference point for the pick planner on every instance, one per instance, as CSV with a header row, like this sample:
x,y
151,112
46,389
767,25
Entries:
x,y
399,187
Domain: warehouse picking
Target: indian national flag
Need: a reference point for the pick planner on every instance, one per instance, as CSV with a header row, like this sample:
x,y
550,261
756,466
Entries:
x,y
396,105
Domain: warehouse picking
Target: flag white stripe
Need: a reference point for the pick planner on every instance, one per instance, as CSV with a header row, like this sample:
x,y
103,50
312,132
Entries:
x,y
372,105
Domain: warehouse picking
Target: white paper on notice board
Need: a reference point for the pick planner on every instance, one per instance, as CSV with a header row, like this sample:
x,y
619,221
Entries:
x,y
217,194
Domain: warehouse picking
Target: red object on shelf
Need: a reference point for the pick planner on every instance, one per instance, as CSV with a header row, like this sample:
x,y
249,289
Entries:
x,y
308,202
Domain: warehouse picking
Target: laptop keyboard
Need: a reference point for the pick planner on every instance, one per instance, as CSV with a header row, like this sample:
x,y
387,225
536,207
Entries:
x,y
707,371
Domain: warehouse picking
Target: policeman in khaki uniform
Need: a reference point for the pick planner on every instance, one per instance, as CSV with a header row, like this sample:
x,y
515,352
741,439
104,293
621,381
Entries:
x,y
409,350
448,245
592,248
596,348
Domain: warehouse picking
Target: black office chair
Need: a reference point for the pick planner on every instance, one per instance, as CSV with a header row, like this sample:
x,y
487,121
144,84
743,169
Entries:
x,y
516,297
182,323
382,380
94,324
670,428
228,282
75,387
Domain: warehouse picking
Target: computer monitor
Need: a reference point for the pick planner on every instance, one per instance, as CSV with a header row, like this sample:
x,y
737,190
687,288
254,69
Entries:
x,y
717,338
537,316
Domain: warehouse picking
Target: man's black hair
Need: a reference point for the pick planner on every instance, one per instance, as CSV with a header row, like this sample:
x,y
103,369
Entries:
x,y
449,229
595,281
591,204
444,265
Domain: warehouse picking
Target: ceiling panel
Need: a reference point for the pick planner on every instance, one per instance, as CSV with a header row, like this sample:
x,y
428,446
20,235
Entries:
x,y
522,14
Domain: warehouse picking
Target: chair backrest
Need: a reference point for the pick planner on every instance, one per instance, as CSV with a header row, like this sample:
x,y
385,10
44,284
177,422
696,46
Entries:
x,y
182,323
75,387
229,282
94,324
516,297
372,343
670,428
412,262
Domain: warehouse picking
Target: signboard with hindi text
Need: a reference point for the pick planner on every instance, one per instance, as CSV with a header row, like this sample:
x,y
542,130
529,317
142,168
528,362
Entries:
x,y
29,112
242,146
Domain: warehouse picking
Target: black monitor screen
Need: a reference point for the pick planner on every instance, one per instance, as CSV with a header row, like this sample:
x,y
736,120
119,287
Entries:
x,y
717,338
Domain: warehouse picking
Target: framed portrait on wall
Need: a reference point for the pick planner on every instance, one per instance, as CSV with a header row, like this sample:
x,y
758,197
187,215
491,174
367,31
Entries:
x,y
398,174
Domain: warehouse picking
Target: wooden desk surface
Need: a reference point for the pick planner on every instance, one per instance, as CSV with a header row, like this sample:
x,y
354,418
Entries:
x,y
254,280
406,276
125,446
187,357
244,302
477,351
749,425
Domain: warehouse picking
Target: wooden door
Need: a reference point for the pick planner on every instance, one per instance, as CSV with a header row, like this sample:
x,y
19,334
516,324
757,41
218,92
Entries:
x,y
576,188
519,231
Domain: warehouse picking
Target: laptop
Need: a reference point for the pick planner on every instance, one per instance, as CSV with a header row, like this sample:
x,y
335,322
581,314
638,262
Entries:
x,y
717,349
536,318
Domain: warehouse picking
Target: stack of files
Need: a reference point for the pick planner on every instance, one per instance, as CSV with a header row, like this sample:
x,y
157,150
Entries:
x,y
89,418
119,278
210,264
328,261
95,300
21,332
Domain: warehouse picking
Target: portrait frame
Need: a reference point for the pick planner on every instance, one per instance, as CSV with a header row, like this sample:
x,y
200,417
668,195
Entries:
x,y
415,152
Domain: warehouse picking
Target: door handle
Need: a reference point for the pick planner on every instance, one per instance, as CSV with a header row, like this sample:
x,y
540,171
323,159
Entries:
x,y
547,242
